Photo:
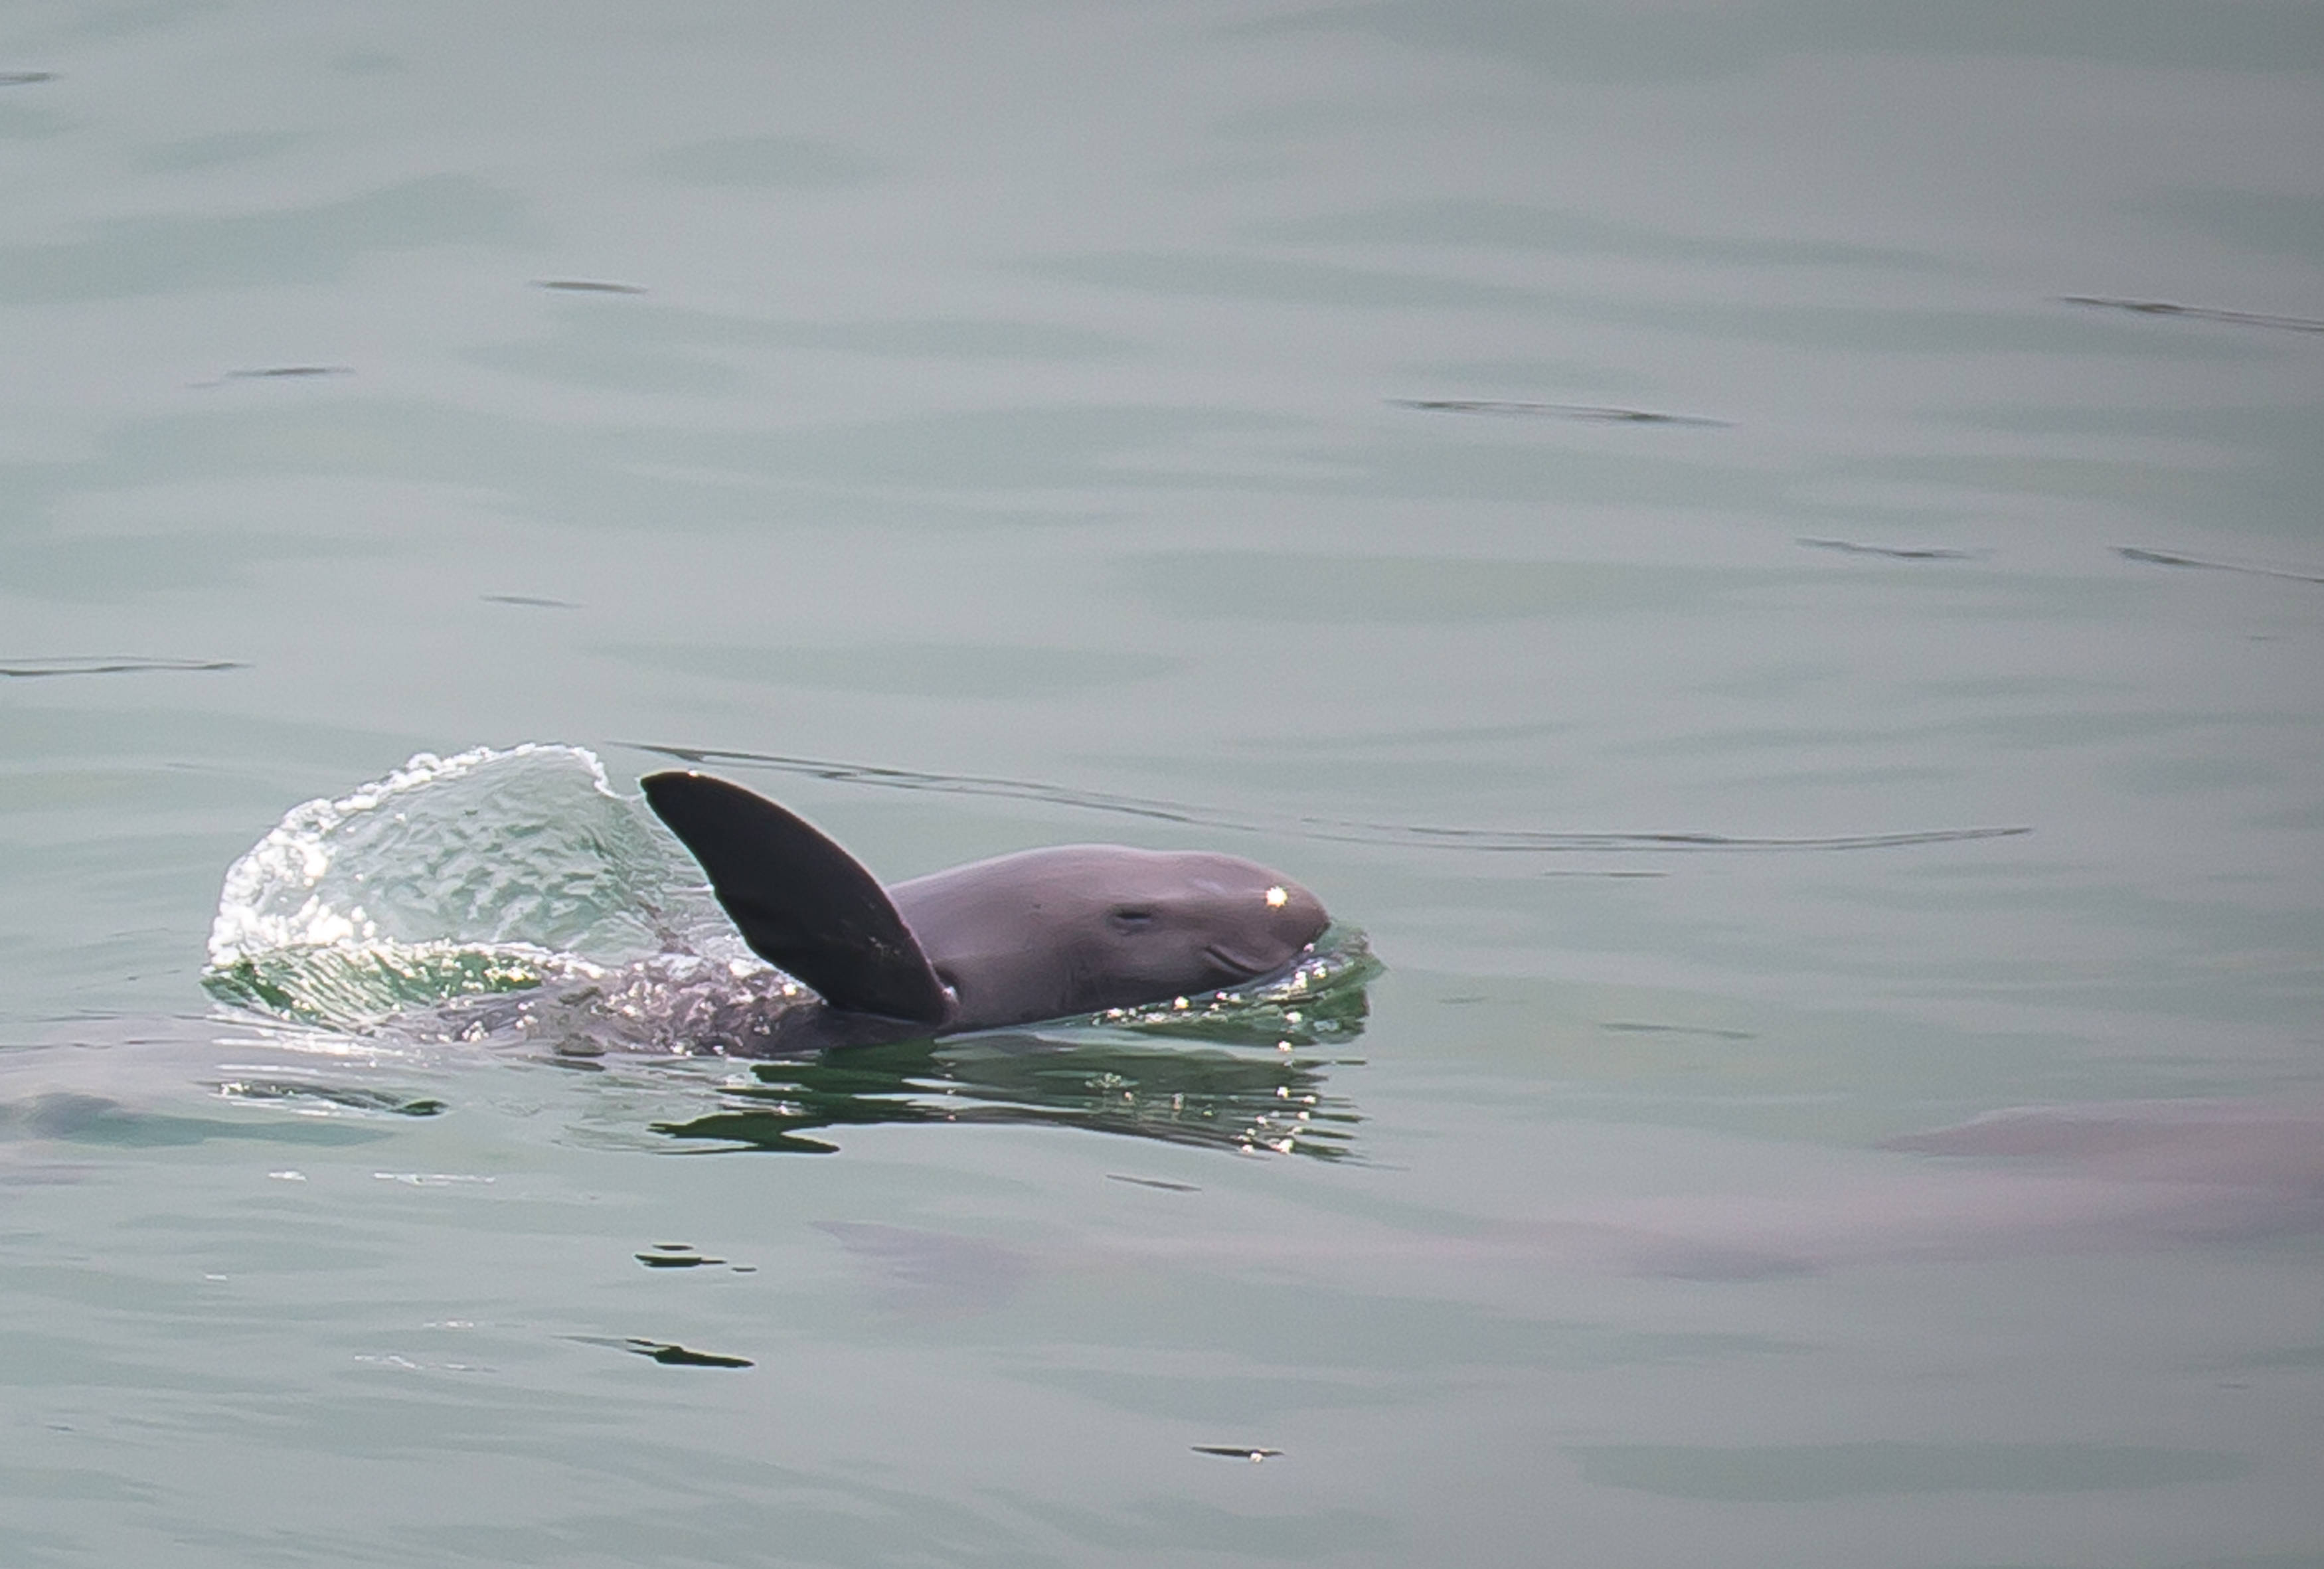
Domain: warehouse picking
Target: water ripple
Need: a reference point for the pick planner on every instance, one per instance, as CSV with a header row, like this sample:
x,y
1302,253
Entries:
x,y
2172,558
2197,312
1340,830
1590,412
38,666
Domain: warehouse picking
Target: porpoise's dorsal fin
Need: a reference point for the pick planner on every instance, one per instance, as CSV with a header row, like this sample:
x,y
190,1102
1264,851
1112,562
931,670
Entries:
x,y
803,904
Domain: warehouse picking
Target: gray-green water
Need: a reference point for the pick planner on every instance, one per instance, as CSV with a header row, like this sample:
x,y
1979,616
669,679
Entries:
x,y
1230,408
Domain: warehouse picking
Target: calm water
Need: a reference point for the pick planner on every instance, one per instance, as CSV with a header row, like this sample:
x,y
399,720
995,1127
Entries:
x,y
1402,443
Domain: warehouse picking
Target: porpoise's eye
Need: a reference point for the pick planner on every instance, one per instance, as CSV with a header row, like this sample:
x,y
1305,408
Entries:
x,y
1130,918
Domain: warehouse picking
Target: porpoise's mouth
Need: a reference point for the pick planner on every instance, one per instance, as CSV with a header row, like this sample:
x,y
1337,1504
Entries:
x,y
1233,967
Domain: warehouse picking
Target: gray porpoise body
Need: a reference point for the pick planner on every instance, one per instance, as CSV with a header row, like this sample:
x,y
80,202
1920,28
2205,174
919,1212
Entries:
x,y
1040,935
1081,927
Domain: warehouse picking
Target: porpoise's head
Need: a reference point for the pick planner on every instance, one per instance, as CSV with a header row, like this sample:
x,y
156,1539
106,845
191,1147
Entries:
x,y
1084,927
1185,921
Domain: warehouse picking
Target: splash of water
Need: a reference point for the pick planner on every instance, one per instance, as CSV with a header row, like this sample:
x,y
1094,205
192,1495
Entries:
x,y
488,872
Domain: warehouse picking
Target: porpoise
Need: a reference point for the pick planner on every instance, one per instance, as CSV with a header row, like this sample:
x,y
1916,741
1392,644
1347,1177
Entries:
x,y
1018,939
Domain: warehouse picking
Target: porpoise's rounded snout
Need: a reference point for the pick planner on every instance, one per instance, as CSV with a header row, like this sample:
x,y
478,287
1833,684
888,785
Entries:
x,y
1259,920
1299,916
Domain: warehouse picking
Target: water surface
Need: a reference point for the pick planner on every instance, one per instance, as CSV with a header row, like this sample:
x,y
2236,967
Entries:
x,y
1766,555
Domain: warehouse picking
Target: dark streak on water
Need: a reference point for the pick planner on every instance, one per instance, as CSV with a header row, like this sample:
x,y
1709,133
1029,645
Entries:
x,y
25,78
532,600
1591,413
2197,312
289,373
672,1355
1630,1027
1336,830
2170,559
1235,1452
675,1256
667,1353
1896,552
1163,1183
587,286
108,665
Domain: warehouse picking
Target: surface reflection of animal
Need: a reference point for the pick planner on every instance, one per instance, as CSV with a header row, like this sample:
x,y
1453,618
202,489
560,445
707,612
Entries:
x,y
1040,935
